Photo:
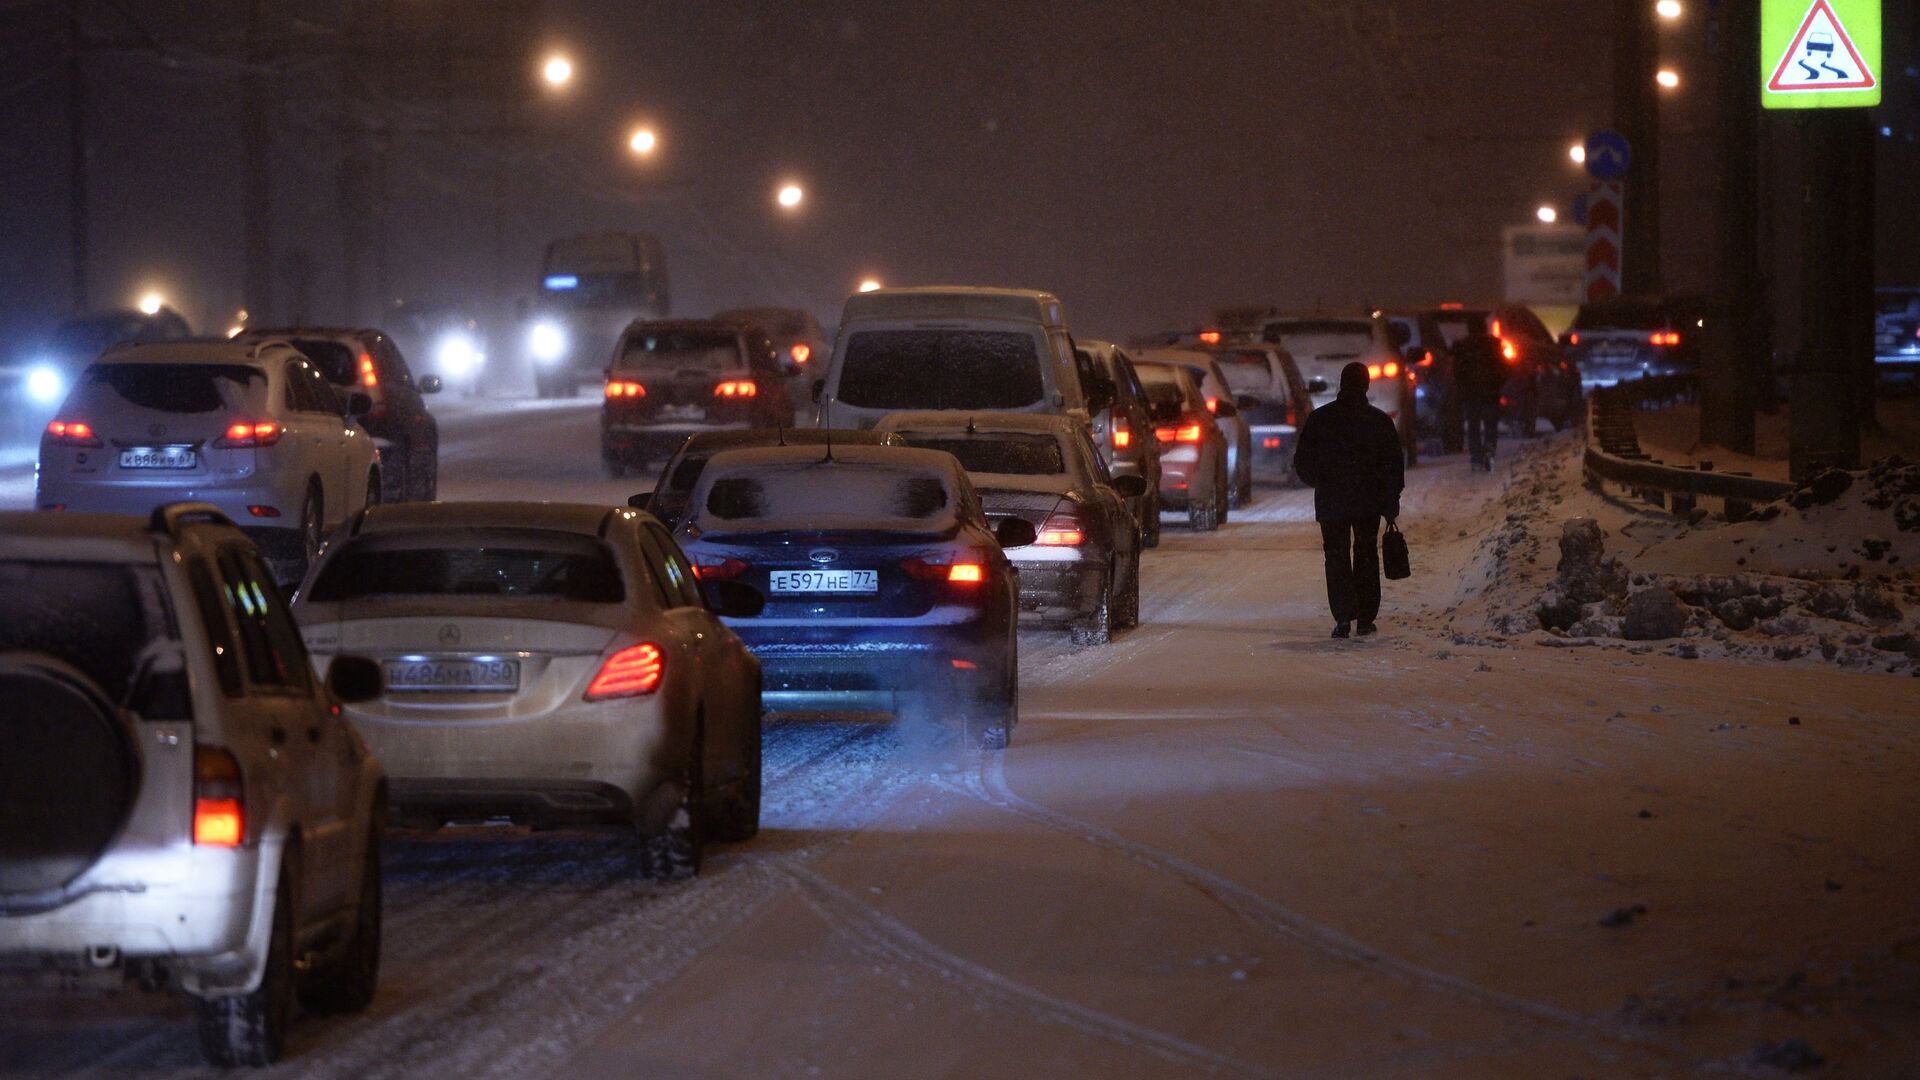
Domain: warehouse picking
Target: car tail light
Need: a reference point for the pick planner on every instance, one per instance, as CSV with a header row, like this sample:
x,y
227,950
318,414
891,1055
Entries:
x,y
1509,350
961,570
1209,337
1426,358
737,388
801,353
243,435
367,377
631,672
1185,433
1271,442
625,388
73,433
1494,329
1213,404
1122,433
1062,530
1573,339
722,570
965,665
219,799
1390,369
1373,371
1664,337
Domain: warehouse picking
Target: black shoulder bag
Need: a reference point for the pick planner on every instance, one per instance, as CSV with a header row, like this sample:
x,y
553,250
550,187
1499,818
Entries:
x,y
1393,554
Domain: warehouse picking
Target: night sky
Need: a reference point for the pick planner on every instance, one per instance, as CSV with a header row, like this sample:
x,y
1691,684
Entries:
x,y
1147,161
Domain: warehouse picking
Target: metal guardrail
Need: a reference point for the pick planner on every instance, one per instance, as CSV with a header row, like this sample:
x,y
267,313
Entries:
x,y
1614,455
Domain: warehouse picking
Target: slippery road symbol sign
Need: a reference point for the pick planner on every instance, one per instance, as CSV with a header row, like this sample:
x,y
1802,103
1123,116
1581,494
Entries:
x,y
1822,57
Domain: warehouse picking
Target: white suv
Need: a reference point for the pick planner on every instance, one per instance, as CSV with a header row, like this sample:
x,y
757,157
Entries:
x,y
181,802
252,427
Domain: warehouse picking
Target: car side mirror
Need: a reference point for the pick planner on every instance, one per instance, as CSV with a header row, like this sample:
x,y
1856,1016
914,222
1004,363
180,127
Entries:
x,y
1316,386
1225,410
1130,487
1015,532
359,404
642,501
431,384
733,599
354,679
1246,401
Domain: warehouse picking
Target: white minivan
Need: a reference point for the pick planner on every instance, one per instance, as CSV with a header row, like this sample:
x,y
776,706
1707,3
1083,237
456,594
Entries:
x,y
949,347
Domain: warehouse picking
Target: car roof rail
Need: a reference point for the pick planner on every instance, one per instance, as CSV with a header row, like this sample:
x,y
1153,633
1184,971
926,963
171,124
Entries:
x,y
168,519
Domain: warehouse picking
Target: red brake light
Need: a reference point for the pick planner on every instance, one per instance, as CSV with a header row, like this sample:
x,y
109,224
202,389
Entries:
x,y
1494,329
737,388
724,570
1270,442
1062,530
243,435
1426,358
1213,404
1452,305
963,570
219,808
73,433
1664,337
631,672
1122,435
1189,433
1573,339
619,388
1390,369
801,353
1509,350
1373,371
367,377
1209,337
967,573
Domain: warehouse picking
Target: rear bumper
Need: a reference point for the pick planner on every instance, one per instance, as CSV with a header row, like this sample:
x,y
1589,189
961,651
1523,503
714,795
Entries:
x,y
1179,468
873,667
541,801
140,497
1060,590
1273,446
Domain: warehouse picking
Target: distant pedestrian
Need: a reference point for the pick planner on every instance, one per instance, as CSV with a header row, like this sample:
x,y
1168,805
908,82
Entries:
x,y
1349,453
1478,374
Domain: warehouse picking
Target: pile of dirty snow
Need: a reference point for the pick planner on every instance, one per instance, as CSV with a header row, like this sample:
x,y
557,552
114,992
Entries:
x,y
1830,573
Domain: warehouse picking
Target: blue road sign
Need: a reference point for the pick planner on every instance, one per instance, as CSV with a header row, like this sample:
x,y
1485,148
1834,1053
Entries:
x,y
1608,155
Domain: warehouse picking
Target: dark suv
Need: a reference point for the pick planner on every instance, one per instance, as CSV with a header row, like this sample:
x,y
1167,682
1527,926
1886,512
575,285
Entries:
x,y
671,378
1122,428
367,361
1616,340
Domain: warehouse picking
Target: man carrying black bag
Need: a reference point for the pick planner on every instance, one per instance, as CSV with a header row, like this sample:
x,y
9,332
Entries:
x,y
1349,453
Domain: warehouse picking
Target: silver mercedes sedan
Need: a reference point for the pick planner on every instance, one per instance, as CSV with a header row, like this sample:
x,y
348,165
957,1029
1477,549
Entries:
x,y
546,663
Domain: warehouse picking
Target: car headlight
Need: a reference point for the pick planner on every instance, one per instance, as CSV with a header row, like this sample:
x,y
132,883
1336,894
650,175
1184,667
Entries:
x,y
45,384
456,355
547,342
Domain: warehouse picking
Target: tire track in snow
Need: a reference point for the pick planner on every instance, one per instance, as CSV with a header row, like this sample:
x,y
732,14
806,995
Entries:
x,y
988,785
890,940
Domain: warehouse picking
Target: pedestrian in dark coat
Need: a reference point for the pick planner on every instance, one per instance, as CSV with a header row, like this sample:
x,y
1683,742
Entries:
x,y
1349,453
1478,374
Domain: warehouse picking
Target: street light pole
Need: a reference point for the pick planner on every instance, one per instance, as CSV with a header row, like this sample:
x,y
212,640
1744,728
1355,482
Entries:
x,y
1636,114
77,224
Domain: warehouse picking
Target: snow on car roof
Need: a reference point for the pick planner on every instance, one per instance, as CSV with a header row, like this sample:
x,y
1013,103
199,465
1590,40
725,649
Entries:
x,y
803,488
984,421
955,302
583,518
75,537
194,351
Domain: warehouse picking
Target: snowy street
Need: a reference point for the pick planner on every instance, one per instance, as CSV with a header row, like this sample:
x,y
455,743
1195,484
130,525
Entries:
x,y
1221,845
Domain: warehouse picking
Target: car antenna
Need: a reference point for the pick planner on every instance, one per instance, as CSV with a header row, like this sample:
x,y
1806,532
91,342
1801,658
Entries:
x,y
829,458
971,430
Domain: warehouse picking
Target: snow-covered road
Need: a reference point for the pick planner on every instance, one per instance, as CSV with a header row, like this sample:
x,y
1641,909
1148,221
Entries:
x,y
1221,845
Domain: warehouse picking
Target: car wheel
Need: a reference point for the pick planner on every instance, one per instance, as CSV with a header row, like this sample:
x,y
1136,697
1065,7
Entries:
x,y
673,852
1203,508
1096,628
1223,491
347,982
251,1028
1128,615
991,726
738,817
1246,480
311,528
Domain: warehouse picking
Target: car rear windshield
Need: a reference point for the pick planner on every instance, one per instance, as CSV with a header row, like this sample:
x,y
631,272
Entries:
x,y
175,388
1012,454
1164,394
553,566
1626,316
844,493
700,350
110,620
941,369
1323,339
339,362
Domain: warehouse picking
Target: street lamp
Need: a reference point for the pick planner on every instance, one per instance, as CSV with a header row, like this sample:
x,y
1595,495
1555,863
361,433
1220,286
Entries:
x,y
1547,215
557,71
151,302
1578,152
870,285
1668,79
789,196
643,142
1668,9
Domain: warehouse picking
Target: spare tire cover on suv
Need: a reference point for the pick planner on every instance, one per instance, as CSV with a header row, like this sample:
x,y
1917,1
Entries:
x,y
69,772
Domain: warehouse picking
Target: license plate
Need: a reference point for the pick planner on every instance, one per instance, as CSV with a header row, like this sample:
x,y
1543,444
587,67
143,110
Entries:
x,y
463,676
826,581
683,412
159,457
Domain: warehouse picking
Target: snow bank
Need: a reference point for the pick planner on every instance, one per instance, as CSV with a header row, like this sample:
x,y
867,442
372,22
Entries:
x,y
1831,573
